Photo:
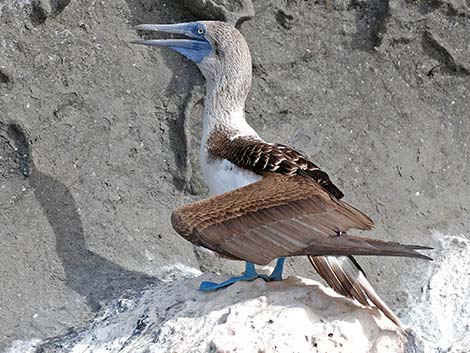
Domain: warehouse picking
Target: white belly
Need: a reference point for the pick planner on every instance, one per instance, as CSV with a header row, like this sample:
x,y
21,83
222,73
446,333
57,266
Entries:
x,y
223,176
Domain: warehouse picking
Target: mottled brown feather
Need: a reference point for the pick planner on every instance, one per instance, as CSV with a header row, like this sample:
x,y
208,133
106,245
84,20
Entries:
x,y
279,216
346,278
262,157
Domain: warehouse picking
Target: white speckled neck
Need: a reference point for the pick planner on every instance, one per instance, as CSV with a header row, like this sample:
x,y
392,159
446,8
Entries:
x,y
225,114
228,74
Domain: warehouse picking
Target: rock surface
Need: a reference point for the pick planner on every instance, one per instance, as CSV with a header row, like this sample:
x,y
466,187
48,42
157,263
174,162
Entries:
x,y
98,142
295,315
439,317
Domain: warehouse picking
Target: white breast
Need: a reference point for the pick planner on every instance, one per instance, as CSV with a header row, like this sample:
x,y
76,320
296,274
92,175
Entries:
x,y
223,176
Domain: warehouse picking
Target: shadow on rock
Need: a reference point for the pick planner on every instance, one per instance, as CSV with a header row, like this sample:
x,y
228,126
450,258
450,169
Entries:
x,y
185,76
371,21
89,274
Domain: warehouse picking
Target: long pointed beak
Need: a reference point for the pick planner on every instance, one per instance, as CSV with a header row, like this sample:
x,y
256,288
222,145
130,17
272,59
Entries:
x,y
169,43
177,28
195,49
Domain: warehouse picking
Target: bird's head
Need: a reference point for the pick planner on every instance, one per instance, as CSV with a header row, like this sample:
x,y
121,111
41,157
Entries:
x,y
218,49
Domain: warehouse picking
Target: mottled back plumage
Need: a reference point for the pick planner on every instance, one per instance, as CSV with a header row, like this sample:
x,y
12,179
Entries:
x,y
261,157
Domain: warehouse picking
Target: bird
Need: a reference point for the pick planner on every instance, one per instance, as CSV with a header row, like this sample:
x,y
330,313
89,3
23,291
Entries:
x,y
268,200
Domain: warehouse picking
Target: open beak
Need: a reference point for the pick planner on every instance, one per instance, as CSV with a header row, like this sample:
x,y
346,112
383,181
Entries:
x,y
195,48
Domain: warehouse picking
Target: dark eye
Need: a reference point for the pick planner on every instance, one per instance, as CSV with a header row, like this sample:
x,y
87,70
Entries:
x,y
200,30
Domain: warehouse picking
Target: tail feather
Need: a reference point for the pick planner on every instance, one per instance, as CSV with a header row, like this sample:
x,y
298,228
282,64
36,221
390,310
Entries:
x,y
346,277
352,245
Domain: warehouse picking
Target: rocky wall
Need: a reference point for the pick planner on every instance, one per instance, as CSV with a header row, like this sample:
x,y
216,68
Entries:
x,y
99,139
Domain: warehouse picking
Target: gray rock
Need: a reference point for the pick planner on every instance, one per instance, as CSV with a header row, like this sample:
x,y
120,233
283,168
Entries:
x,y
375,92
42,9
296,315
233,11
7,76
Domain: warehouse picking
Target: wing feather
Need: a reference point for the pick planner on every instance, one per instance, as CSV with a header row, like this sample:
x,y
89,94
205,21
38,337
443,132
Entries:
x,y
279,216
261,157
346,278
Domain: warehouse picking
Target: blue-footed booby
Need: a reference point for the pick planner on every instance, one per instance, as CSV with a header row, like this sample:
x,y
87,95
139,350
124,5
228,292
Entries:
x,y
270,201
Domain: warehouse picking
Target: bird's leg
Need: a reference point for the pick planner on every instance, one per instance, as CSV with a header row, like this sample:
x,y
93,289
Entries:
x,y
250,274
276,275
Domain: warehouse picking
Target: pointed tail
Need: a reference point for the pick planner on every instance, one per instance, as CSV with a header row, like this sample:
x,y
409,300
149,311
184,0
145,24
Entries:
x,y
345,276
346,245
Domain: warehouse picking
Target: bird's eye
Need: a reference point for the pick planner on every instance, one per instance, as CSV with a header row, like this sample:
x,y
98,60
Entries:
x,y
200,30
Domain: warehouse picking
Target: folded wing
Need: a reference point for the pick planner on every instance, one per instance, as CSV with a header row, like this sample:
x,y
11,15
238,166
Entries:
x,y
280,216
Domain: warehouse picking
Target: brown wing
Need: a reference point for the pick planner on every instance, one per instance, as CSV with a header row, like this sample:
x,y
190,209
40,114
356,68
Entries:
x,y
261,157
279,216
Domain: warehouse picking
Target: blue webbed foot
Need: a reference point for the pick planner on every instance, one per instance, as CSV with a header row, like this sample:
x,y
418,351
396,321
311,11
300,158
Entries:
x,y
276,275
249,275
